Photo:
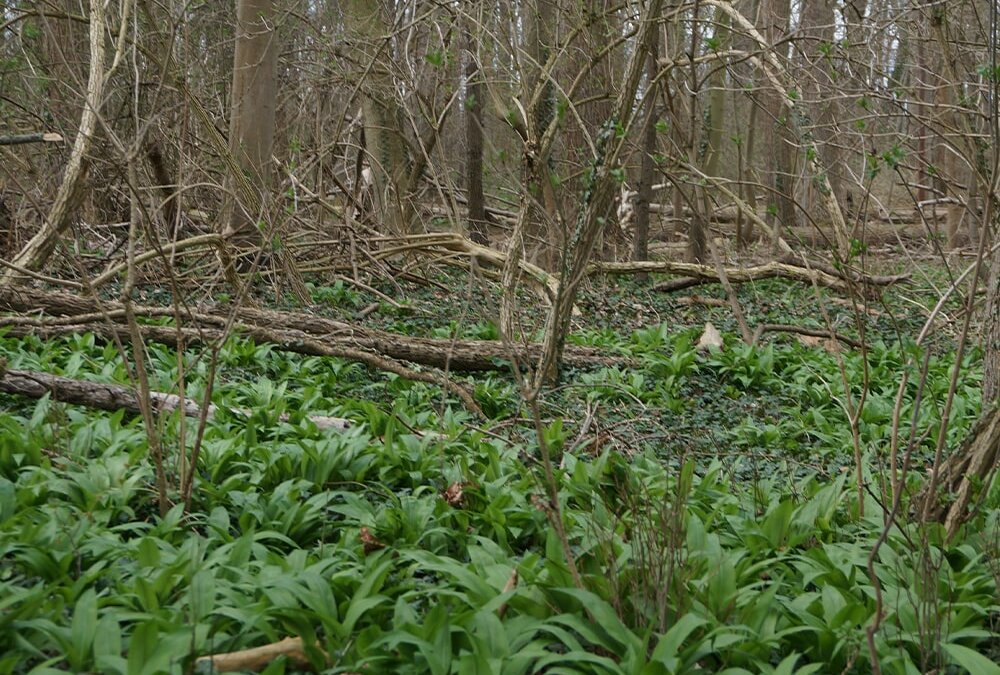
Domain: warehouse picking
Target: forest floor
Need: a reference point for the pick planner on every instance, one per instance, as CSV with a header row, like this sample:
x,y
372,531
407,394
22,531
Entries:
x,y
707,519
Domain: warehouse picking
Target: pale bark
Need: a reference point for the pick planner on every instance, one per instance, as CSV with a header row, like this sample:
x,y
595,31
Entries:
x,y
257,658
696,274
37,251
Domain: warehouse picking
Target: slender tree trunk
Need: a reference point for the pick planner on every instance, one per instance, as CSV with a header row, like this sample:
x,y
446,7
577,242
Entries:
x,y
748,189
538,95
779,139
252,112
716,125
37,251
647,164
816,33
696,245
474,101
385,144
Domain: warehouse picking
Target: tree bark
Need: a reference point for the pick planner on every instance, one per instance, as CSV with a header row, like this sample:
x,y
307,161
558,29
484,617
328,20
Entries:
x,y
647,164
256,658
37,251
696,275
538,99
778,138
475,99
965,476
294,332
102,396
252,111
386,149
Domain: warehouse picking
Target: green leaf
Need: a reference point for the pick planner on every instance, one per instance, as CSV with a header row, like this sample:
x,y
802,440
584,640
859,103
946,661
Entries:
x,y
605,621
142,648
84,627
667,650
108,638
971,660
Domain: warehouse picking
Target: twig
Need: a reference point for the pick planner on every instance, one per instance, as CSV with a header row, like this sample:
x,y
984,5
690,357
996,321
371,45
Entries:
x,y
21,139
802,330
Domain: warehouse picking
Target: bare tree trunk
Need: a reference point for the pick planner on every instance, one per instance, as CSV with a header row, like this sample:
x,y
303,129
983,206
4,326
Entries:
x,y
595,205
595,101
778,138
538,96
696,246
964,478
252,111
647,165
816,43
37,251
715,127
474,102
385,144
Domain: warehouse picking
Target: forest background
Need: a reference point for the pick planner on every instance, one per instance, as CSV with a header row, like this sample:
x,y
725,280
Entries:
x,y
346,335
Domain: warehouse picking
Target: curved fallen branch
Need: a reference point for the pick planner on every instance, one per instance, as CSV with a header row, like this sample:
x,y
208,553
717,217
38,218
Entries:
x,y
802,330
450,243
696,275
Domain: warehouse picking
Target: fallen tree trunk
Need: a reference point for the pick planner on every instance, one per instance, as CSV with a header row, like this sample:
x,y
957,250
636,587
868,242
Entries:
x,y
696,275
291,331
846,272
102,396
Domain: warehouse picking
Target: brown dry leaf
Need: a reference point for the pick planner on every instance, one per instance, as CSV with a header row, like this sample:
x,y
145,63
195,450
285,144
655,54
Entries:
x,y
369,541
453,495
710,338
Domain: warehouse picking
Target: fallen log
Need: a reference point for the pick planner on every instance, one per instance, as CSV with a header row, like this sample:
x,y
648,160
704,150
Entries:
x,y
103,396
846,272
292,331
696,275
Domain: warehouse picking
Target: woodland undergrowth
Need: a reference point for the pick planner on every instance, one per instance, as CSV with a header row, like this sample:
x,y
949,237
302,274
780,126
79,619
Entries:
x,y
706,496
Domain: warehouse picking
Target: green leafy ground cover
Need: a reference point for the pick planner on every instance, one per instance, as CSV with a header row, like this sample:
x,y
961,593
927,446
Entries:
x,y
705,501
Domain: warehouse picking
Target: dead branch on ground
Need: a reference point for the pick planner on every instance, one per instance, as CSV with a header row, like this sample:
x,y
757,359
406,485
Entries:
x,y
103,396
258,658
